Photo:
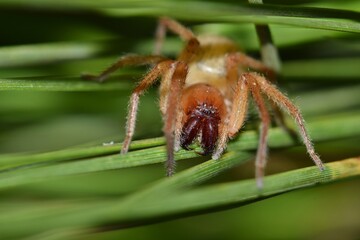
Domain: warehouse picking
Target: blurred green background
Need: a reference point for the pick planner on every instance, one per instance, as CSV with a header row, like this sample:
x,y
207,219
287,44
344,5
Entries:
x,y
45,106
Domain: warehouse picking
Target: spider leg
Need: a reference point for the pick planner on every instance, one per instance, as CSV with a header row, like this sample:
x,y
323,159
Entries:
x,y
280,99
160,69
261,155
164,94
171,113
185,56
127,60
280,121
236,117
244,60
174,26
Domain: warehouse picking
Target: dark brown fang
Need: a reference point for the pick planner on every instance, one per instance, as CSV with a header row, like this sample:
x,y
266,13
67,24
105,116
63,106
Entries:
x,y
190,131
204,120
209,135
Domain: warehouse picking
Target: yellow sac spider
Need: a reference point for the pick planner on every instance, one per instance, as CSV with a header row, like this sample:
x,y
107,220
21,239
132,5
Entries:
x,y
204,95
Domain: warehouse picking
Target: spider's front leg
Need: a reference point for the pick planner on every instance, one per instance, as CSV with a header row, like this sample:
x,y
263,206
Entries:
x,y
173,75
159,70
190,50
171,107
237,114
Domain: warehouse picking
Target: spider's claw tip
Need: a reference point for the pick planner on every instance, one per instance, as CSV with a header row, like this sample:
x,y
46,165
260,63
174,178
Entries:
x,y
216,156
169,172
322,167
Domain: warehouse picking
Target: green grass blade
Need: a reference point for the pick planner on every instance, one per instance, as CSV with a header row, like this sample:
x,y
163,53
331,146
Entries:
x,y
150,205
238,192
325,129
317,18
18,160
210,11
46,53
244,191
72,85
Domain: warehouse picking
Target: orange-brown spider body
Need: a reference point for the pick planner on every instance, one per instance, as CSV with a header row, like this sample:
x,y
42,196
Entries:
x,y
204,95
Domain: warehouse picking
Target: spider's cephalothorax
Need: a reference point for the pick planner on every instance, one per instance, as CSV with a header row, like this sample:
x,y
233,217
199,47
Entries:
x,y
204,95
203,110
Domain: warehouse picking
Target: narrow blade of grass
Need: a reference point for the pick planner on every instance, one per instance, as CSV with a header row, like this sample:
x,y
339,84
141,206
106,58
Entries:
x,y
151,205
244,191
46,53
18,160
210,11
73,85
325,129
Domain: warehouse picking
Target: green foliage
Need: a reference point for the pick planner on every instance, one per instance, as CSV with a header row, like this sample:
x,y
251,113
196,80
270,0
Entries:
x,y
61,175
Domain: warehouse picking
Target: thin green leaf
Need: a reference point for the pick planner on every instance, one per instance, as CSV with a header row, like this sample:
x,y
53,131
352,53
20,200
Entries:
x,y
72,85
46,53
210,11
151,203
325,129
18,160
242,191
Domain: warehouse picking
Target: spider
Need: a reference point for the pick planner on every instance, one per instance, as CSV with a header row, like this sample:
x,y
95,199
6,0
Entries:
x,y
204,95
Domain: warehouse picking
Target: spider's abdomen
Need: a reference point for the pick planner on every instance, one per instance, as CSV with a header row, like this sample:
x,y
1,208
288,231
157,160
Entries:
x,y
203,110
208,66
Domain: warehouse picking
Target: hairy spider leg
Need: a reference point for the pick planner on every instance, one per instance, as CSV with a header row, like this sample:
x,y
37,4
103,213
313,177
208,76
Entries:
x,y
186,56
174,26
236,117
127,60
172,108
280,121
237,114
173,75
243,59
159,70
261,155
280,99
175,72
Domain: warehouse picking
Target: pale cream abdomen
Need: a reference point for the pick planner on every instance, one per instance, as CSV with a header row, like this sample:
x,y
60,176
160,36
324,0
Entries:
x,y
209,64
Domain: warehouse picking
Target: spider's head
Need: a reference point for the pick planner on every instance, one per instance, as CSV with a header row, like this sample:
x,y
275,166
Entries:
x,y
203,109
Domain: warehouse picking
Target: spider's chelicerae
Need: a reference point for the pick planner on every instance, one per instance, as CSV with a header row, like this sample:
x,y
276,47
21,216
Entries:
x,y
204,95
